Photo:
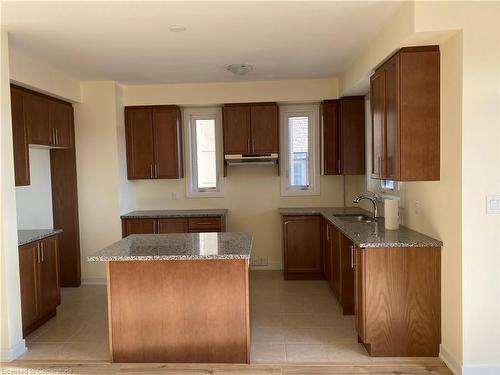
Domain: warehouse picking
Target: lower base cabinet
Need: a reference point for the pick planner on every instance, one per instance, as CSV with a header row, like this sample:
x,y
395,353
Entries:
x,y
302,258
173,225
39,281
398,301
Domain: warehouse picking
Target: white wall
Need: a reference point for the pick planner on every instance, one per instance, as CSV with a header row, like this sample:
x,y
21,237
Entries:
x,y
34,202
12,344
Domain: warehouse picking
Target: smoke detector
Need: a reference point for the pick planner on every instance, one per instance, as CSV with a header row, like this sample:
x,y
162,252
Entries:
x,y
239,69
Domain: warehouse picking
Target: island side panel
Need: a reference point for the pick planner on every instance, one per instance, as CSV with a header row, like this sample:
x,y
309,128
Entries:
x,y
179,311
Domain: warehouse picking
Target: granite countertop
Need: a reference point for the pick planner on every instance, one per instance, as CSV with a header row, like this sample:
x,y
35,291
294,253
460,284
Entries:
x,y
25,236
371,234
178,246
153,214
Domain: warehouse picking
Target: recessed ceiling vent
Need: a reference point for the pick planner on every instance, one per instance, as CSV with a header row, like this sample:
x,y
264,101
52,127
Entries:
x,y
239,69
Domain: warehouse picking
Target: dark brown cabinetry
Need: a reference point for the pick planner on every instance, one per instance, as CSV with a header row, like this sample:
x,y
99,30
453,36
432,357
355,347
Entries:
x,y
335,259
346,275
61,123
173,225
398,301
302,247
20,138
39,280
344,136
251,128
154,142
404,94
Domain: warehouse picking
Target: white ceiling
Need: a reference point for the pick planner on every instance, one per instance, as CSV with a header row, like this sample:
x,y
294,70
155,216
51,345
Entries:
x,y
130,42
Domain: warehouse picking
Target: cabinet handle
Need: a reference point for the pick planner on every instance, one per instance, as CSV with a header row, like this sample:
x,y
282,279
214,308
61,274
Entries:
x,y
379,166
41,245
353,263
253,145
338,166
53,136
328,234
248,145
57,136
151,170
203,223
38,253
156,170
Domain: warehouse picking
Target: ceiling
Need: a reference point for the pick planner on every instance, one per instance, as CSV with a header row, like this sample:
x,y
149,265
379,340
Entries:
x,y
130,42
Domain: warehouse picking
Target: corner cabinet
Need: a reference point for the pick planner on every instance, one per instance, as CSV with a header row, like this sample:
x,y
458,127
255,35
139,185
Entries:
x,y
302,258
343,136
39,280
251,129
405,107
154,142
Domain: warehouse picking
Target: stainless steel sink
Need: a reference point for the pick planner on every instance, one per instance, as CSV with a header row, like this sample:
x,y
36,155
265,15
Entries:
x,y
355,218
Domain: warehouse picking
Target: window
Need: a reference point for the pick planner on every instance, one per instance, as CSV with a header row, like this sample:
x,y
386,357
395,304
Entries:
x,y
204,152
300,154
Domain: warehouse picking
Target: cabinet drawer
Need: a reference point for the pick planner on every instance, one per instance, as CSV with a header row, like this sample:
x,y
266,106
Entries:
x,y
208,224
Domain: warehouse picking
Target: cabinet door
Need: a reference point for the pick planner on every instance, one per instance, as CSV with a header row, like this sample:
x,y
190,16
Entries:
x,y
359,298
390,166
327,251
331,152
264,128
48,275
167,143
352,135
36,110
302,244
172,225
336,269
236,129
204,224
19,138
139,135
138,226
377,98
61,120
28,264
347,274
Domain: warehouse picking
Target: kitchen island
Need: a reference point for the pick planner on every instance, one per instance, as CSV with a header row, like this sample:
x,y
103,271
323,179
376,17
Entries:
x,y
179,297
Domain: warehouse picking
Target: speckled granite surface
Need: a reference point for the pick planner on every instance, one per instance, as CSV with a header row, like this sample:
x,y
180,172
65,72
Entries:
x,y
153,214
25,236
363,234
178,246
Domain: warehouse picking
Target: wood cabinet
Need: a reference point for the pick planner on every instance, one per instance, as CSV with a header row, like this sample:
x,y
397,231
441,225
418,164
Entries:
x,y
405,100
343,137
19,138
39,280
61,121
346,275
327,250
398,301
335,259
154,142
251,128
302,247
37,117
173,225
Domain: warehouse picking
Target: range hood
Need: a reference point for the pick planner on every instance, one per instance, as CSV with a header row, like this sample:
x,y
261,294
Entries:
x,y
251,159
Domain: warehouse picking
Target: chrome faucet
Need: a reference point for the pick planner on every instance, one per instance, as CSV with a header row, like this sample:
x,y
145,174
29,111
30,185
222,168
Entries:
x,y
371,199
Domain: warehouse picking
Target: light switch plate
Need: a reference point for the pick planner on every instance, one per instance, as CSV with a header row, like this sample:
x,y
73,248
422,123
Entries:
x,y
493,204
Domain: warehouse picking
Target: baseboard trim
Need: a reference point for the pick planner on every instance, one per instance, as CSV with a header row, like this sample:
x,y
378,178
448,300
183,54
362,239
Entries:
x,y
94,281
450,361
10,354
481,370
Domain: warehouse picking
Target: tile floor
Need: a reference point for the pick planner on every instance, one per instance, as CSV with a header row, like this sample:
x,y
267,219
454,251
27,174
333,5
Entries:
x,y
292,321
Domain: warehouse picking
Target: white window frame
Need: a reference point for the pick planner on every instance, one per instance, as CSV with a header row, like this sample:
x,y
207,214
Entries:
x,y
312,112
190,116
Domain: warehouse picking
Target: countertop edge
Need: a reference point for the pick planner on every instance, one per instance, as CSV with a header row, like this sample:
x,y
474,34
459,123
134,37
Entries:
x,y
154,214
156,258
52,232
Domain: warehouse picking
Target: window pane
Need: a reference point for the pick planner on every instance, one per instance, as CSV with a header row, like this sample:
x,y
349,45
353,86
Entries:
x,y
205,154
298,131
387,184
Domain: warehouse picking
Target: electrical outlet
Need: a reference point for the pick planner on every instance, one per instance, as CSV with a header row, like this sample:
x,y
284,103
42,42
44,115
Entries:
x,y
493,204
175,195
416,207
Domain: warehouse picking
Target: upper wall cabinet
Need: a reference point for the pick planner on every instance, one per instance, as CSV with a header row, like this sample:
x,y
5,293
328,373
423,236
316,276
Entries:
x,y
404,94
154,142
39,120
344,136
251,128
